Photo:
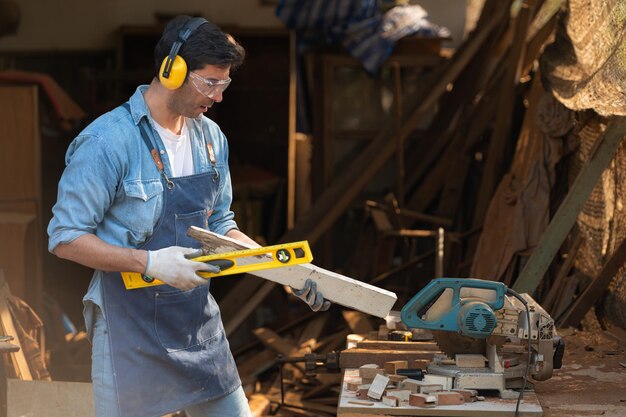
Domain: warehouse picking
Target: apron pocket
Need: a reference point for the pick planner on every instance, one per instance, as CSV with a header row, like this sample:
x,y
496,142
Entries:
x,y
184,320
184,221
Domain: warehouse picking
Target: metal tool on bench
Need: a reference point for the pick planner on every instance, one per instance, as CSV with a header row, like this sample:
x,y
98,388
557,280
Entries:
x,y
266,257
313,363
479,317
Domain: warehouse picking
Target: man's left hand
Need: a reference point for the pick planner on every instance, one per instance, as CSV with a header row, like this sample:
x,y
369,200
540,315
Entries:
x,y
310,295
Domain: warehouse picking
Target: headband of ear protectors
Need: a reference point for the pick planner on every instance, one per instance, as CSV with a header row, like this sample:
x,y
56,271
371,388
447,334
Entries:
x,y
174,68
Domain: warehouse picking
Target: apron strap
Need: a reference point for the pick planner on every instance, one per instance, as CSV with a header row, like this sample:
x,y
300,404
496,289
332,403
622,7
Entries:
x,y
153,151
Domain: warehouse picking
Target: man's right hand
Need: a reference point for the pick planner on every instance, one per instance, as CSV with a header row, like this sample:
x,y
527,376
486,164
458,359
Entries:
x,y
172,267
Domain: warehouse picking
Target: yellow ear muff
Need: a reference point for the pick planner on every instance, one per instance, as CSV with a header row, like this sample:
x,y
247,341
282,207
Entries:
x,y
177,74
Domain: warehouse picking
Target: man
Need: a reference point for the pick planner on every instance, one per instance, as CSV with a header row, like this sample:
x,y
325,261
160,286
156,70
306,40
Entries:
x,y
136,179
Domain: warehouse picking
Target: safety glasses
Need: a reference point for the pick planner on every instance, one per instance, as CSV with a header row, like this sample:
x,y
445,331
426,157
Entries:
x,y
208,88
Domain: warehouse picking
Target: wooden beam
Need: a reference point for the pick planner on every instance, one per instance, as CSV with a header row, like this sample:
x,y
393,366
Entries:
x,y
291,147
233,305
335,287
566,215
337,197
396,345
595,289
356,357
549,300
7,328
500,139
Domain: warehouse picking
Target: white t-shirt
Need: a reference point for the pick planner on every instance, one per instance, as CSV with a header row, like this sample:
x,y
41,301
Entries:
x,y
178,149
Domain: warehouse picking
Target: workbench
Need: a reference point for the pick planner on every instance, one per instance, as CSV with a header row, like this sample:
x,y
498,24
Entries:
x,y
491,407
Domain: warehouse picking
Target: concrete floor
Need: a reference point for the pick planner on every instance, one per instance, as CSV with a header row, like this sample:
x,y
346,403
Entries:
x,y
592,381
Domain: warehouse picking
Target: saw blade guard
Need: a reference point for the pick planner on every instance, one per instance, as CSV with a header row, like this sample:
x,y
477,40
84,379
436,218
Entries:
x,y
463,305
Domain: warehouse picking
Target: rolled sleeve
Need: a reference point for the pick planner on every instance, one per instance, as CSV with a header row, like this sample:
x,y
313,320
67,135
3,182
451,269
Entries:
x,y
86,189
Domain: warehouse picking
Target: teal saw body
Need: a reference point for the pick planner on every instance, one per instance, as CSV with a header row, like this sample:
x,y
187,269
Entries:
x,y
461,305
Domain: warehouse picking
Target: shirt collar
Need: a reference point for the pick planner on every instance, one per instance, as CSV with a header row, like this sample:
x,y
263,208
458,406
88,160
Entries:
x,y
138,108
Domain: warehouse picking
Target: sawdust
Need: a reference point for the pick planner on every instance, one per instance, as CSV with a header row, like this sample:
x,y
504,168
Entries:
x,y
598,374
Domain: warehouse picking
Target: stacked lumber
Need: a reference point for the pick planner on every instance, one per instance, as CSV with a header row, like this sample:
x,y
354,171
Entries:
x,y
297,369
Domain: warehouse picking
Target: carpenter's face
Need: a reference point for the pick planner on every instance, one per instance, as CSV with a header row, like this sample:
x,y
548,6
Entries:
x,y
202,88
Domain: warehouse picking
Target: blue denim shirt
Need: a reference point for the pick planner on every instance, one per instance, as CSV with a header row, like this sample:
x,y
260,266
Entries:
x,y
111,187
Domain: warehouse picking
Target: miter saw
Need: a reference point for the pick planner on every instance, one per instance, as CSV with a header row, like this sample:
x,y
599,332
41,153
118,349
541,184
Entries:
x,y
485,317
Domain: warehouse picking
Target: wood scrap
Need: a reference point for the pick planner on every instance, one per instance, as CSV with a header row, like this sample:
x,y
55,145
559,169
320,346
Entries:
x,y
449,398
421,400
378,386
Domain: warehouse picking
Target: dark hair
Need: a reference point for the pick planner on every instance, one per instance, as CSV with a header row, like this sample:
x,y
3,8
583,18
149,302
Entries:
x,y
207,45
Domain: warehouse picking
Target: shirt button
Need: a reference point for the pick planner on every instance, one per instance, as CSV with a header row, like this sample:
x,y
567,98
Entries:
x,y
162,152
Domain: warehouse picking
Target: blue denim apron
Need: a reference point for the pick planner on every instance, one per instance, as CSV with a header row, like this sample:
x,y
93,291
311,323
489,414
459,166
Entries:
x,y
169,347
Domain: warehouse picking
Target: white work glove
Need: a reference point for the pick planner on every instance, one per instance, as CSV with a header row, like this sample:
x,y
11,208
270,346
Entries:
x,y
311,296
171,266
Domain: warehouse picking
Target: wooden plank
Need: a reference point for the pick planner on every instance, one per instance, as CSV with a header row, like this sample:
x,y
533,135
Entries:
x,y
358,322
355,357
396,345
335,287
256,364
337,197
291,147
19,133
275,342
596,288
500,139
312,331
280,345
295,400
18,257
556,288
567,294
7,327
245,308
566,215
49,399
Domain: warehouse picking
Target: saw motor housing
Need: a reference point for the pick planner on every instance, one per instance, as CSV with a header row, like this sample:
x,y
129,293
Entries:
x,y
481,310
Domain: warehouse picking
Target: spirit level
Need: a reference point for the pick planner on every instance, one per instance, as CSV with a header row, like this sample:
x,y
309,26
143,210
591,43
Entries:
x,y
237,262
